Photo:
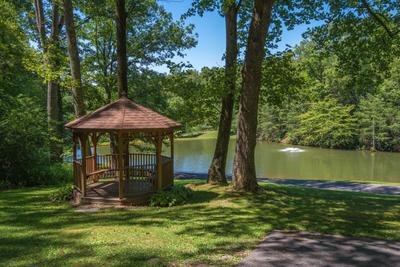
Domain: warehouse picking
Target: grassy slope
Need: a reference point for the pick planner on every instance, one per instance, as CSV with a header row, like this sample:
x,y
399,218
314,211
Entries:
x,y
205,135
217,227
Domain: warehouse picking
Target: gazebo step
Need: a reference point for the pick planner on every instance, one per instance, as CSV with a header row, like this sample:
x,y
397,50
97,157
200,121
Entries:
x,y
135,200
100,200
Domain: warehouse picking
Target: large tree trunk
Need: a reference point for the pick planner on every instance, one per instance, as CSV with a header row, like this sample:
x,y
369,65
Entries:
x,y
54,118
75,65
49,48
244,166
216,172
122,71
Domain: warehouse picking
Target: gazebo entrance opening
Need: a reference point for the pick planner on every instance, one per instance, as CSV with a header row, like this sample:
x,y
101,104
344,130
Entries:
x,y
126,174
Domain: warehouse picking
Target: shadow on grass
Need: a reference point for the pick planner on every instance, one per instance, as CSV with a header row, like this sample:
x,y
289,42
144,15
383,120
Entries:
x,y
215,227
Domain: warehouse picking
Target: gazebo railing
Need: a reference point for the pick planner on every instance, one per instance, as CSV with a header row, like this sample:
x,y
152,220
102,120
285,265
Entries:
x,y
139,176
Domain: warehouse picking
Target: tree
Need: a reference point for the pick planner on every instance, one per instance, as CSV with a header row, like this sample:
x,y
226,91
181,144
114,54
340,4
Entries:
x,y
216,171
15,77
50,45
244,167
379,116
75,65
153,39
122,79
327,124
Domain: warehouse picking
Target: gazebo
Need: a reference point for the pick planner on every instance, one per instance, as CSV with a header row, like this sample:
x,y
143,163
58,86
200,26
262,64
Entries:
x,y
121,177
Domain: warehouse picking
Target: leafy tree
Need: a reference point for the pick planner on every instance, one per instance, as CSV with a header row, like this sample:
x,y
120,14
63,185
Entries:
x,y
24,140
122,67
48,38
153,38
288,13
282,79
326,124
379,115
229,9
192,97
15,77
244,166
75,64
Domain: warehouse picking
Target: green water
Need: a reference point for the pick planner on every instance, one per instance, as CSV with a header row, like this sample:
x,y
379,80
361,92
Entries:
x,y
312,163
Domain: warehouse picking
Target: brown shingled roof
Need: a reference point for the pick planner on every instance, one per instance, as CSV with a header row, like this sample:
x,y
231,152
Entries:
x,y
123,114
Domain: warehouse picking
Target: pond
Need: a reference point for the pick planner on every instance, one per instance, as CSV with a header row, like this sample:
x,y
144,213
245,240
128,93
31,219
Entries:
x,y
295,162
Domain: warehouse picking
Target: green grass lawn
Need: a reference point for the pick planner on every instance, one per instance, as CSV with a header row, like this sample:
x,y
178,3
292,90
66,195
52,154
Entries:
x,y
218,226
204,135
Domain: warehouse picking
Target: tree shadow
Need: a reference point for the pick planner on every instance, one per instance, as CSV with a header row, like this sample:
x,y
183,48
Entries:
x,y
215,227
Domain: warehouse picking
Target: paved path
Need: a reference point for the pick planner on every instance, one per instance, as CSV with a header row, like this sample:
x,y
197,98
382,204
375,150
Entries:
x,y
342,186
308,250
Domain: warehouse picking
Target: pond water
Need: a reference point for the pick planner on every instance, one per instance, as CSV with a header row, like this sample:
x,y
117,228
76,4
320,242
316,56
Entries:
x,y
295,162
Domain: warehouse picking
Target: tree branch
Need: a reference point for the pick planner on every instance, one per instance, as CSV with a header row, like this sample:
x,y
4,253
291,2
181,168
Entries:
x,y
378,18
239,3
40,22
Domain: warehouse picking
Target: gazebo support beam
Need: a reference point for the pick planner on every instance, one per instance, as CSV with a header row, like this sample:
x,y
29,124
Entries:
x,y
94,138
74,141
120,165
171,141
83,139
159,161
126,159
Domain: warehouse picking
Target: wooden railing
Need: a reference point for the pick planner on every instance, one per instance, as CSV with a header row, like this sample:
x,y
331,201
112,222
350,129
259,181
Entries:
x,y
140,175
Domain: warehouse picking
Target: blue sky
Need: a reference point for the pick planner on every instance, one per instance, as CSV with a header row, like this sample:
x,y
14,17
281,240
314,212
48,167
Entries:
x,y
211,35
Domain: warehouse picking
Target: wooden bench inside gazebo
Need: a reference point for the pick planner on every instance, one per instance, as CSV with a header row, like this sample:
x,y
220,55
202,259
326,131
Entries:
x,y
121,177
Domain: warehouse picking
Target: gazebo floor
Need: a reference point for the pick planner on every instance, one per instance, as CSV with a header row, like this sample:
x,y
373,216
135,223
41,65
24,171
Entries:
x,y
107,193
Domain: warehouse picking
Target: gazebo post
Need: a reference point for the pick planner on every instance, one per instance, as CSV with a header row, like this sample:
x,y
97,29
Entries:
x,y
76,179
126,160
171,141
73,146
83,139
159,161
94,142
120,166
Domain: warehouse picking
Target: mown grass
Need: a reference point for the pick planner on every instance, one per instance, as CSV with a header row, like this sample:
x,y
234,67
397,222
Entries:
x,y
218,226
204,135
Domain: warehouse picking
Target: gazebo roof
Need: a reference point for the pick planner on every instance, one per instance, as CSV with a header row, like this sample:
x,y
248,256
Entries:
x,y
123,114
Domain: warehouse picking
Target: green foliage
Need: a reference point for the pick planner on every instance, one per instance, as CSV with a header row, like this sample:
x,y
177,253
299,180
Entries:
x,y
62,194
14,54
193,98
23,140
154,38
379,114
272,123
282,79
178,195
24,156
326,124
